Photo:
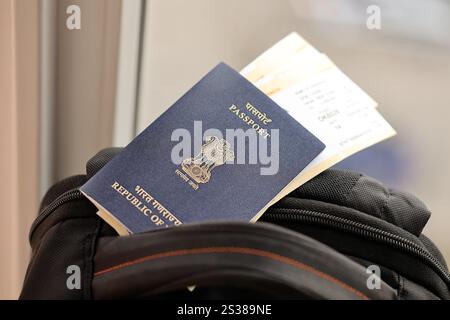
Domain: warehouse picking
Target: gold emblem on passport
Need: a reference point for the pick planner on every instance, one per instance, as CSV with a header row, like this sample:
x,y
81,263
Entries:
x,y
214,152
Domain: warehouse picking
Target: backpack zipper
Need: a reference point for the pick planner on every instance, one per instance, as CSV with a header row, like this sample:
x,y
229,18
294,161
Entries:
x,y
71,195
314,217
289,214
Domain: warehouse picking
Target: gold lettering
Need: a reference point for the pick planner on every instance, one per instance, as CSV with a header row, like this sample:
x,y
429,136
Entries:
x,y
261,116
134,201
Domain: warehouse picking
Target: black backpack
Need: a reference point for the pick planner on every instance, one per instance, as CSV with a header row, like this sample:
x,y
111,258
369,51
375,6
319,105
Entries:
x,y
342,235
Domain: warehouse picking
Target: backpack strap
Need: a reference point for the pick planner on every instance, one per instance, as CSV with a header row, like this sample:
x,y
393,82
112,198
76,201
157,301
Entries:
x,y
227,258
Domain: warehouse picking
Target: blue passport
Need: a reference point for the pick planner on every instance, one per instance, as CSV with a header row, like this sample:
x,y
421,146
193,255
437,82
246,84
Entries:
x,y
222,152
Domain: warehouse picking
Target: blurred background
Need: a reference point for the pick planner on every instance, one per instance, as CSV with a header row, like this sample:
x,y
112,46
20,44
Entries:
x,y
67,92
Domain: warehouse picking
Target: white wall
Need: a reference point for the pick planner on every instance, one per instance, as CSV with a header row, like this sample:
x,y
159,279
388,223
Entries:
x,y
184,39
19,137
85,83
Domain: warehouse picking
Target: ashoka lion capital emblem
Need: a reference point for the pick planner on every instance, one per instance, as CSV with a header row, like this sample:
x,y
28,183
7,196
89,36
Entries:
x,y
214,152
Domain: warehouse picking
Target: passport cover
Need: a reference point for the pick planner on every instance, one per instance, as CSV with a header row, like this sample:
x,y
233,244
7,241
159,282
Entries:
x,y
143,189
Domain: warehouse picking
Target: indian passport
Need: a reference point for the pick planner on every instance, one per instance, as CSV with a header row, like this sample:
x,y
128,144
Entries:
x,y
222,152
